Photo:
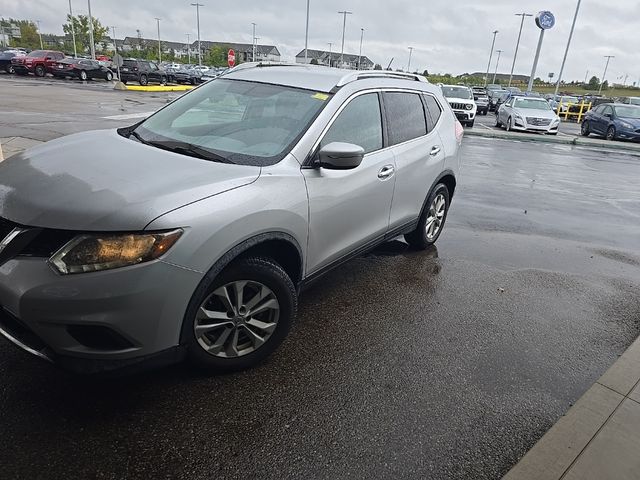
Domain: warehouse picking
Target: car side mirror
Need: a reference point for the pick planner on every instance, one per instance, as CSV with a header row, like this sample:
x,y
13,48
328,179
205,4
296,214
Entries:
x,y
608,115
49,58
340,156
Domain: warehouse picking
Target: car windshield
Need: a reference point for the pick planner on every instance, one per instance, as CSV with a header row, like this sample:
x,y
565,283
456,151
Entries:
x,y
234,121
570,100
37,54
628,112
533,103
634,101
456,92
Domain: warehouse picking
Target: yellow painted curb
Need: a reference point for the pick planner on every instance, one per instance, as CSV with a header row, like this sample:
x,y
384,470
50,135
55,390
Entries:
x,y
160,88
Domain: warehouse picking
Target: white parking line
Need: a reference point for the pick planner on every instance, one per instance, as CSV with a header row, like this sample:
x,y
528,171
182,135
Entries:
x,y
128,116
564,134
485,126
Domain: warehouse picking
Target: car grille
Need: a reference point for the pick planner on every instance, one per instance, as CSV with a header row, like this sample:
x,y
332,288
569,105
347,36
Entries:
x,y
44,243
538,122
458,106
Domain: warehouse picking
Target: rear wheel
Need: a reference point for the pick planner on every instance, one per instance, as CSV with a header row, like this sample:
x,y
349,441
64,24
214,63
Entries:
x,y
143,80
109,76
83,75
163,80
241,316
39,71
432,220
611,133
584,129
9,69
509,124
498,124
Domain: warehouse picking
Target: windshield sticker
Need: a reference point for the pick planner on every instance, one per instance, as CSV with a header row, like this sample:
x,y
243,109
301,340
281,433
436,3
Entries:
x,y
320,96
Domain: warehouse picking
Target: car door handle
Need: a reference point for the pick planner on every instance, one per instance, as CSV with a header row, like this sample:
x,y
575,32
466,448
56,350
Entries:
x,y
386,172
435,151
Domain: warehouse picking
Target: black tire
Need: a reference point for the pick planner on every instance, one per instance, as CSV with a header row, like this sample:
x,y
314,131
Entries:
x,y
264,271
109,76
82,75
611,133
585,131
124,82
498,124
143,80
418,238
163,80
508,125
471,123
9,69
39,71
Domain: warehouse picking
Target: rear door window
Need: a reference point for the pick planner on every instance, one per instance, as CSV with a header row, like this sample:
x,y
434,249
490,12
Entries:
x,y
433,111
405,116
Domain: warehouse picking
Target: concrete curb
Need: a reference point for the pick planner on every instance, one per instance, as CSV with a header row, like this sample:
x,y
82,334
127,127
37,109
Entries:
x,y
154,88
597,438
562,140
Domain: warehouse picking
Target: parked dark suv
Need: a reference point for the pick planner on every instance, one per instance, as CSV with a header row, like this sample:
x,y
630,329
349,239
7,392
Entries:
x,y
142,71
38,62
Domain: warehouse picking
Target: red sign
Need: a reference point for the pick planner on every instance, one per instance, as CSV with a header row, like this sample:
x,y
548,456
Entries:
x,y
231,58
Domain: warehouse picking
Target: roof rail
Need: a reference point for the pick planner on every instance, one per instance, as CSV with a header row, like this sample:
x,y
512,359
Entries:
x,y
246,65
362,74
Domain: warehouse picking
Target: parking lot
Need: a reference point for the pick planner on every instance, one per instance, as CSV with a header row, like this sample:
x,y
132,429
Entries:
x,y
488,122
449,363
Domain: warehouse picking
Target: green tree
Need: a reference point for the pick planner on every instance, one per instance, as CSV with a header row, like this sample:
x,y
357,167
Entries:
x,y
594,82
81,26
29,37
425,73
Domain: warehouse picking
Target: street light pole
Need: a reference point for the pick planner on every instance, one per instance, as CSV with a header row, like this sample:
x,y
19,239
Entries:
x,y
73,32
360,55
409,64
330,52
254,42
495,74
493,44
566,51
40,35
344,27
606,67
91,41
198,5
515,55
306,36
115,45
189,48
159,43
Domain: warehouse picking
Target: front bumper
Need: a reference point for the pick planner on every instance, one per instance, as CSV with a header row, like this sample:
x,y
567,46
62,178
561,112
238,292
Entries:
x,y
523,126
465,115
627,134
94,321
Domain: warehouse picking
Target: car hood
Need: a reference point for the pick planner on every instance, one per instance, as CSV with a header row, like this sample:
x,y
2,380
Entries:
x,y
101,181
459,100
633,121
531,112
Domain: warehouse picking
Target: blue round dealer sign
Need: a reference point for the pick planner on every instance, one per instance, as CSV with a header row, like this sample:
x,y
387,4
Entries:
x,y
545,20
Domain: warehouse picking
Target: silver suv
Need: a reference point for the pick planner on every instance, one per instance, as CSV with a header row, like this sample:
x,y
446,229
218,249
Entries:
x,y
191,233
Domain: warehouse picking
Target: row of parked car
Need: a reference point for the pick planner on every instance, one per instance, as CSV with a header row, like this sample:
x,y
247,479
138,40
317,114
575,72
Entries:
x,y
144,72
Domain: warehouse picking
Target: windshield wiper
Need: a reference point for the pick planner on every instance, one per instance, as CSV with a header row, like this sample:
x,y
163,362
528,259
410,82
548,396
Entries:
x,y
138,137
190,150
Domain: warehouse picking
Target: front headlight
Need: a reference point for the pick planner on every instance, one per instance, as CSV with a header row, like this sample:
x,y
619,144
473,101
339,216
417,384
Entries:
x,y
626,125
93,253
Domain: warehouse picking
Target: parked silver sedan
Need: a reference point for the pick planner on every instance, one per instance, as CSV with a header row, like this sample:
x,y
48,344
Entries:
x,y
528,114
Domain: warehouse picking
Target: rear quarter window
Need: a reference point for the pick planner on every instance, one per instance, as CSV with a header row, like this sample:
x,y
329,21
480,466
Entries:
x,y
433,111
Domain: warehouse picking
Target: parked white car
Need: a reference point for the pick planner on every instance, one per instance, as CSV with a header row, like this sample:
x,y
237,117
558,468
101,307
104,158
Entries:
x,y
461,100
528,114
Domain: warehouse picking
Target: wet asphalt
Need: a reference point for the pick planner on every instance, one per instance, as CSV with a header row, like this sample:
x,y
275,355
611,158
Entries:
x,y
445,364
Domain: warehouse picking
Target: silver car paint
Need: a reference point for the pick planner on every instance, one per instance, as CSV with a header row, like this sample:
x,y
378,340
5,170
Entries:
x,y
505,111
219,206
123,186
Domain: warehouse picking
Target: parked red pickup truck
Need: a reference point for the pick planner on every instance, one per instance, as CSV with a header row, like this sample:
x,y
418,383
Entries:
x,y
38,62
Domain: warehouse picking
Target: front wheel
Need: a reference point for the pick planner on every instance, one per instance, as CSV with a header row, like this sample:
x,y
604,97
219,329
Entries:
x,y
584,129
498,124
509,125
432,220
10,69
109,76
83,75
143,80
611,133
39,71
471,123
241,317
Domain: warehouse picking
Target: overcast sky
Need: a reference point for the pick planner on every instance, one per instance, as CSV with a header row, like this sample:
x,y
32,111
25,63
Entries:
x,y
448,35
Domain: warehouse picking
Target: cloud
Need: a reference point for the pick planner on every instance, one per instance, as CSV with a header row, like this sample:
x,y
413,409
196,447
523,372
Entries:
x,y
447,36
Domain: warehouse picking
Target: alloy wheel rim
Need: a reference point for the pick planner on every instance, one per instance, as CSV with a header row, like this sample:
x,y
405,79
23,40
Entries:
x,y
435,217
585,127
611,133
237,319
